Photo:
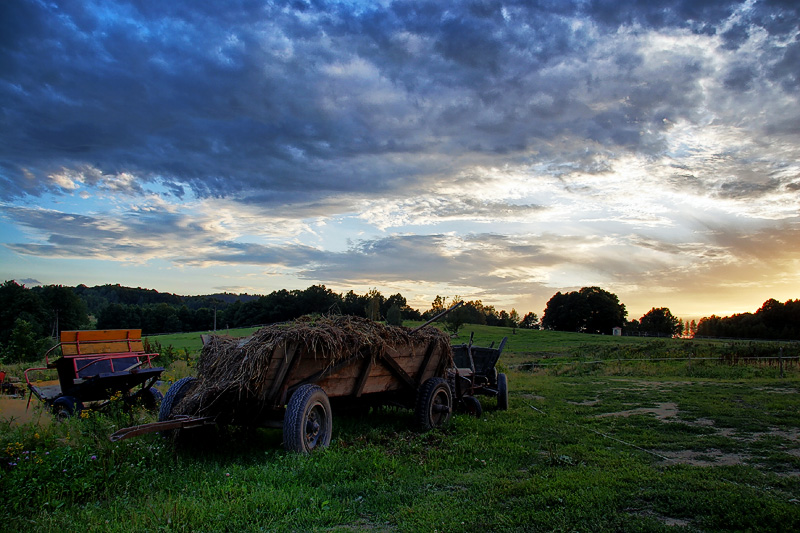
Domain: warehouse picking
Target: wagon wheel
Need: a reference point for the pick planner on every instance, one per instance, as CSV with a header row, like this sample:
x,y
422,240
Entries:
x,y
174,396
152,398
434,404
502,392
472,406
66,406
308,423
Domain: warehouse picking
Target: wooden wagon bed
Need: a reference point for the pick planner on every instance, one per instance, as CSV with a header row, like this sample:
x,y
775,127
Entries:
x,y
348,357
286,375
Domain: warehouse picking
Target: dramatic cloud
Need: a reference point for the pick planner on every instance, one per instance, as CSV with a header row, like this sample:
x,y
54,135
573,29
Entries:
x,y
495,149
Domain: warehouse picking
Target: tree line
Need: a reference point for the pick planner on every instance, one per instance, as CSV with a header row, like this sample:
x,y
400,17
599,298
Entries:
x,y
31,317
773,320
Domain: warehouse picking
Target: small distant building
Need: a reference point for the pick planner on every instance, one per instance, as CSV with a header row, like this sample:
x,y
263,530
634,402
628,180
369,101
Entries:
x,y
617,332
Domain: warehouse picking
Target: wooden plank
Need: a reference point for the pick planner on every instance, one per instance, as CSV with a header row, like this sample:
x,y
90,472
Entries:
x,y
101,335
362,379
327,371
336,387
281,399
91,342
424,365
396,369
282,374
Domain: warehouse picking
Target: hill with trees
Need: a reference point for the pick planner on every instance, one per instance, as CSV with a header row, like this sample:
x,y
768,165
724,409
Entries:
x,y
773,320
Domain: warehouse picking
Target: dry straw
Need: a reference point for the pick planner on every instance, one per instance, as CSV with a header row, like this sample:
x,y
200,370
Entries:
x,y
233,373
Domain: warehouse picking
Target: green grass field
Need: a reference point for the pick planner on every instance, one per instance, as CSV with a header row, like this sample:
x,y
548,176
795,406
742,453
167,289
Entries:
x,y
628,444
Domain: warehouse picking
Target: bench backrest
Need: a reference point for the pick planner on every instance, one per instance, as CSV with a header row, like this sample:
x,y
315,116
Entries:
x,y
105,341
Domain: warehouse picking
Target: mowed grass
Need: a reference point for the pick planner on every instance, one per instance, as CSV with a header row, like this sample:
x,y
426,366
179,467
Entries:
x,y
622,446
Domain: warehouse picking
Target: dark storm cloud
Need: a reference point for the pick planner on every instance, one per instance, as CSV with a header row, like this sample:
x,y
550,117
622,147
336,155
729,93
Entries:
x,y
276,101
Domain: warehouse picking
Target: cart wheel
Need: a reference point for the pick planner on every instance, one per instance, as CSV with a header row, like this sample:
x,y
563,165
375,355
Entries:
x,y
152,398
472,406
66,406
174,395
308,422
434,404
502,392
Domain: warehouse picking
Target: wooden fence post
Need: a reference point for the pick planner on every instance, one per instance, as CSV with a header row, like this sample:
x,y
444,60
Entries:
x,y
780,361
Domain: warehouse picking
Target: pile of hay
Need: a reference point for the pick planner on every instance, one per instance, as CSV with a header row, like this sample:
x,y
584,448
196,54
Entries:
x,y
232,373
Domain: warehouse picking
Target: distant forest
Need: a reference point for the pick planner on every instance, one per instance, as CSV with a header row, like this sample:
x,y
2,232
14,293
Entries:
x,y
30,317
774,320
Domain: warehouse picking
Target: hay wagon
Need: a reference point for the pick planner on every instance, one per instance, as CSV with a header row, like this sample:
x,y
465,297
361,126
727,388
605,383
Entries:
x,y
290,375
95,365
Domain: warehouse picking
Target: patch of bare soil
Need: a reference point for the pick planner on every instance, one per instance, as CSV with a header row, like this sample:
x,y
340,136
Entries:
x,y
531,397
778,390
666,520
589,403
662,411
793,435
644,384
712,457
15,409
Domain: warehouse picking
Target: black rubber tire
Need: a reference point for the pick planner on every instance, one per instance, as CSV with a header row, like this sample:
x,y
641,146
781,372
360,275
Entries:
x,y
151,399
308,422
472,406
174,395
66,407
434,404
502,392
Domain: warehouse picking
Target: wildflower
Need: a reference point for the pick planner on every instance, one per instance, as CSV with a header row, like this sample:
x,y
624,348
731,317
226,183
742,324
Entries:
x,y
35,435
94,458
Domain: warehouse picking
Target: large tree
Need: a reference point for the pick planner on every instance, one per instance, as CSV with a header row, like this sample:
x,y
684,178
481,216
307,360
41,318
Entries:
x,y
65,310
530,321
589,310
660,321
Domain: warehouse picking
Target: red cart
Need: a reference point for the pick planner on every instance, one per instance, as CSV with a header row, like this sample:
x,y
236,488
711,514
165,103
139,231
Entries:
x,y
93,366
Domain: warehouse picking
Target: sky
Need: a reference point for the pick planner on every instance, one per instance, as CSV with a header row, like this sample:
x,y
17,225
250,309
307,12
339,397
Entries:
x,y
497,151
